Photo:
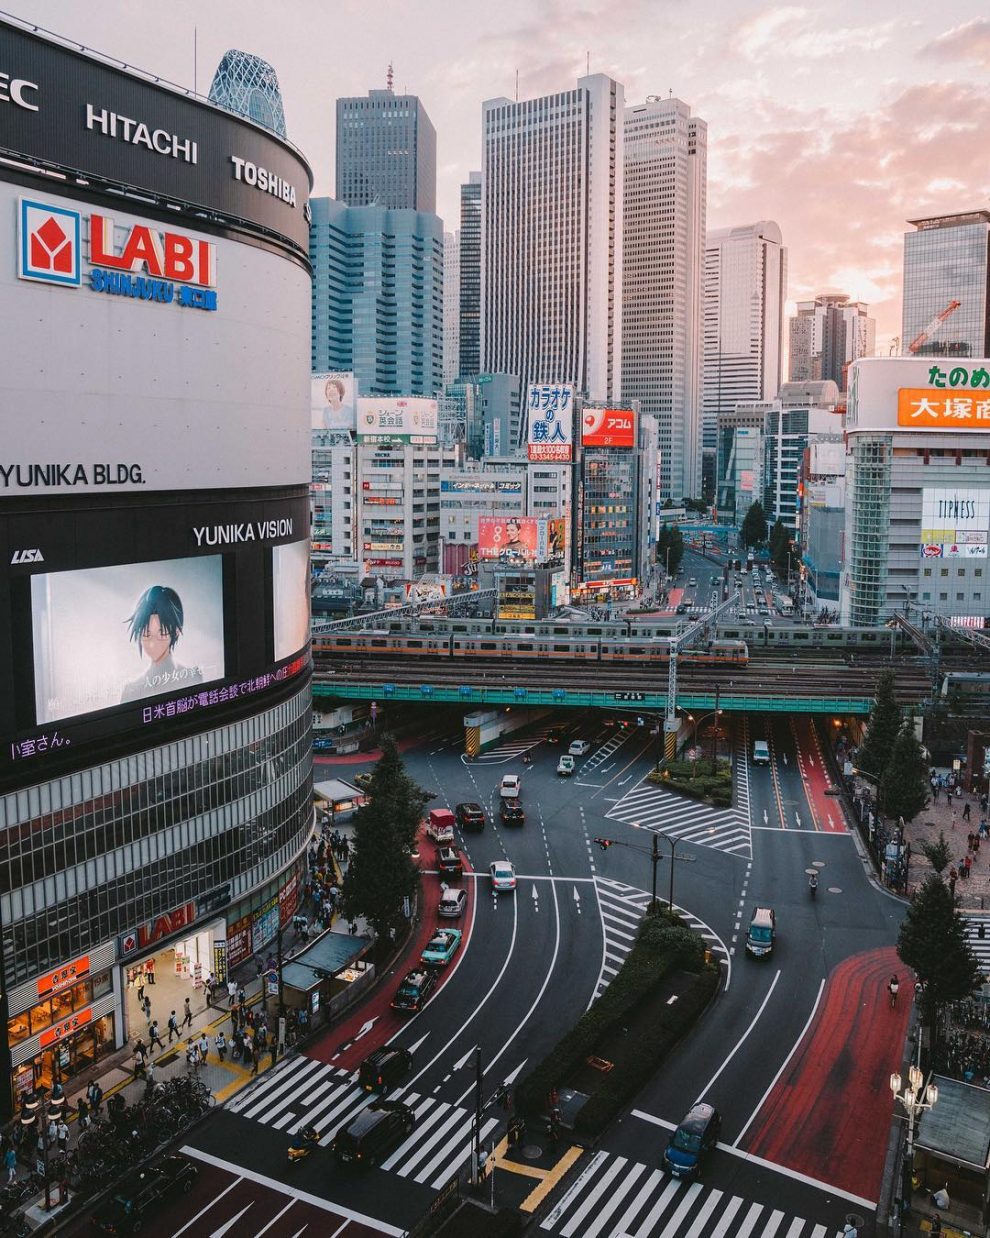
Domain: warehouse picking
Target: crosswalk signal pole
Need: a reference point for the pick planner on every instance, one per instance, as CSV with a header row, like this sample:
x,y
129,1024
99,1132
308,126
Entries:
x,y
478,1105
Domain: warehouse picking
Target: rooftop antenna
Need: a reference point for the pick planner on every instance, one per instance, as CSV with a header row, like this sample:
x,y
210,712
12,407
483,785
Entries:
x,y
587,64
517,85
388,78
195,60
670,92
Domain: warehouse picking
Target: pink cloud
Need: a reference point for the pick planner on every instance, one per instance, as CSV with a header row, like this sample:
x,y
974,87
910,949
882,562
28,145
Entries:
x,y
970,41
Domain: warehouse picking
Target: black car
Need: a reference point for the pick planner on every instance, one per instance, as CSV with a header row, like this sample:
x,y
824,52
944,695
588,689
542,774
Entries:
x,y
512,812
556,735
384,1068
375,1132
415,989
690,1144
449,862
470,816
140,1195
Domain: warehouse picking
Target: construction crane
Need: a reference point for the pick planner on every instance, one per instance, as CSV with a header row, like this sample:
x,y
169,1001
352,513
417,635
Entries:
x,y
933,327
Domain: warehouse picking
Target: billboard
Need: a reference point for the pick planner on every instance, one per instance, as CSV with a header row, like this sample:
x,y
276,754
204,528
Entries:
x,y
550,408
333,400
955,523
480,485
170,359
402,419
290,590
920,395
88,117
924,408
608,427
108,636
519,540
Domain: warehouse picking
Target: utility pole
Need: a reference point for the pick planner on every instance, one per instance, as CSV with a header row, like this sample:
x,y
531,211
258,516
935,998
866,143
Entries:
x,y
715,733
478,1105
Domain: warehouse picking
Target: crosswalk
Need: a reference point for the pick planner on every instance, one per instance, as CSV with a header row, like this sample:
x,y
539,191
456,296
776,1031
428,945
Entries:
x,y
973,923
621,908
303,1092
615,1197
602,753
656,808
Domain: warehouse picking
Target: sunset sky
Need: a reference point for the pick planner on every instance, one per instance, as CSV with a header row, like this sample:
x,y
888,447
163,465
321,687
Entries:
x,y
839,121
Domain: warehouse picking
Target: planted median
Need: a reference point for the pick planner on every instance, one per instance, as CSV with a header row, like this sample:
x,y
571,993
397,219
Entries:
x,y
618,1044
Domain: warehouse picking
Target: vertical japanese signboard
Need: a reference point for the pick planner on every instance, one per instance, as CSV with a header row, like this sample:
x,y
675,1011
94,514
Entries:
x,y
550,408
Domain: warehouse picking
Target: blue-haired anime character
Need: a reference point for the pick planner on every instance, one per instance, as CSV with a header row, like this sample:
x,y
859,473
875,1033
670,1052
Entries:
x,y
155,627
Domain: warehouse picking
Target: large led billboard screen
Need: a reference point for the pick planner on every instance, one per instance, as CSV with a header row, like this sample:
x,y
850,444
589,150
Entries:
x,y
519,540
290,586
112,635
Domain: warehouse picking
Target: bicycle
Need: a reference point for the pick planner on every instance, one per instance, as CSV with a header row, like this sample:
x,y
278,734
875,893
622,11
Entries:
x,y
892,990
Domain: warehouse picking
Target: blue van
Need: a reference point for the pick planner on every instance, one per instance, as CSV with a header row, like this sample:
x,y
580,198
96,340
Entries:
x,y
692,1141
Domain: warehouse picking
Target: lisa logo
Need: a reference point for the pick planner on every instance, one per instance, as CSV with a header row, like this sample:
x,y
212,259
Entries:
x,y
48,250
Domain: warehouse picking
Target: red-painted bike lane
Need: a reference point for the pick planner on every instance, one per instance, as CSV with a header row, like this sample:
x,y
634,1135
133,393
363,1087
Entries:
x,y
349,1043
826,809
829,1114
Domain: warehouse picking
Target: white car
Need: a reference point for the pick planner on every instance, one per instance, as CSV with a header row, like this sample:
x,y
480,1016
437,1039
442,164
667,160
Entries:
x,y
452,902
511,787
579,748
503,875
565,766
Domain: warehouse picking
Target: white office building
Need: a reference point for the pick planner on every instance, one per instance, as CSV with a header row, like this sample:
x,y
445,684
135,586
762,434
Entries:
x,y
664,206
827,335
551,225
745,280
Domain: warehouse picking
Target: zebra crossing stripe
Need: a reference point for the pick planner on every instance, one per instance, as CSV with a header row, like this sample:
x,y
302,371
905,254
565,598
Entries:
x,y
454,1155
618,1194
749,1223
634,1209
250,1094
727,1217
701,1220
287,1082
659,1208
613,1171
451,1116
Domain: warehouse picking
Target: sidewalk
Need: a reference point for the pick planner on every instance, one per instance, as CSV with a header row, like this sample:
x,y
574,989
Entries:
x,y
946,815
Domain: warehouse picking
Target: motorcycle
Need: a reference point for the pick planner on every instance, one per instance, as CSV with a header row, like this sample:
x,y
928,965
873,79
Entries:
x,y
813,885
303,1145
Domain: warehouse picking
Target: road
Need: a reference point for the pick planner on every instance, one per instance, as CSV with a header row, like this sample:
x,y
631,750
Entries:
x,y
768,1055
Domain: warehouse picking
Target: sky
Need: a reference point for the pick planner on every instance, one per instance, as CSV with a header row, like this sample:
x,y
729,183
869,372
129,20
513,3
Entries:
x,y
840,121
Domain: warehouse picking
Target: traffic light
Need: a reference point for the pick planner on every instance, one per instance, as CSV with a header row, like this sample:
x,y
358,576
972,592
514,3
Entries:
x,y
604,843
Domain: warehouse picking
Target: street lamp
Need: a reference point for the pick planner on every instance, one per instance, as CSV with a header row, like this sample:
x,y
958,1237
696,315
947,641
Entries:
x,y
673,848
915,1102
37,1110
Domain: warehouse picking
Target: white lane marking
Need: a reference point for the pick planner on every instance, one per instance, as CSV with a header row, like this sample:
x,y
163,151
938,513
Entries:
x,y
216,1199
742,1039
283,1188
773,1083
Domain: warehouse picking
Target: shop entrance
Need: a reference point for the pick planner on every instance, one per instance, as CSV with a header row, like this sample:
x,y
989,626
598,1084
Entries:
x,y
166,978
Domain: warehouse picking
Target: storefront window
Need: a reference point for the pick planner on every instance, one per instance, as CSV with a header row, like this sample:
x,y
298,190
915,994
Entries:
x,y
60,1006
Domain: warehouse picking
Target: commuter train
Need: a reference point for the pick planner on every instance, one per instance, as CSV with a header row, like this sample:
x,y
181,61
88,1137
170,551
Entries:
x,y
645,650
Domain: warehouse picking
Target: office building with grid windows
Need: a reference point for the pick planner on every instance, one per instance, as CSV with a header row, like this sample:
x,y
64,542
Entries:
x,y
946,309
386,153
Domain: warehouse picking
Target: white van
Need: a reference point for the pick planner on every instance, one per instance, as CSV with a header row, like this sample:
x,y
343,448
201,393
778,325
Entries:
x,y
761,752
511,786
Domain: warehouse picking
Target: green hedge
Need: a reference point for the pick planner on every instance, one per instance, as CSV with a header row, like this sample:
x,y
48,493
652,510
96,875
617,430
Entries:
x,y
662,945
695,780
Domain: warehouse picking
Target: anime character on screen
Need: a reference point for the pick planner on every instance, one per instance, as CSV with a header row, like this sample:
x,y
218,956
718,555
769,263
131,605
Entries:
x,y
156,626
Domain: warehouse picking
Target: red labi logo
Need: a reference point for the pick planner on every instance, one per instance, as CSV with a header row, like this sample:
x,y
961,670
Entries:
x,y
52,248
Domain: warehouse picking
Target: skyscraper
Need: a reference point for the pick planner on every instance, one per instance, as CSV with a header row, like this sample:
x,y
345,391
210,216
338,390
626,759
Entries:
x,y
378,296
745,278
451,305
470,277
386,152
827,335
666,176
946,300
248,85
551,224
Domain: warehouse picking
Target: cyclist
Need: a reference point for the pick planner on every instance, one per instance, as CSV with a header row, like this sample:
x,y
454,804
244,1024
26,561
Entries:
x,y
892,987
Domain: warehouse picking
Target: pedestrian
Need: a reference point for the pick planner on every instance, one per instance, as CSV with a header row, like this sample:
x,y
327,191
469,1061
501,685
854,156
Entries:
x,y
149,971
221,1043
140,1063
10,1160
241,998
154,1036
254,1058
237,1046
147,1008
82,1113
192,1055
352,928
204,1047
151,1079
141,989
969,864
187,1015
231,992
94,1094
965,815
274,1051
345,850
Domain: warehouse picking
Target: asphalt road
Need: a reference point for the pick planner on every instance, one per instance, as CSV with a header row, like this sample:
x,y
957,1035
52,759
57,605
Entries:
x,y
534,959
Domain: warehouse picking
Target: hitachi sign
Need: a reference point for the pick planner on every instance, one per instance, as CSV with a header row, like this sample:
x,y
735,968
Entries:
x,y
162,255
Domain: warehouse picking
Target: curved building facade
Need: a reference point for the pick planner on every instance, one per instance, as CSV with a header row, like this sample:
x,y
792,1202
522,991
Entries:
x,y
155,769
248,85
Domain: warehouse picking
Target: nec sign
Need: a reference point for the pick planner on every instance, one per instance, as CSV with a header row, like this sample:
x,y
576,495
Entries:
x,y
146,266
15,90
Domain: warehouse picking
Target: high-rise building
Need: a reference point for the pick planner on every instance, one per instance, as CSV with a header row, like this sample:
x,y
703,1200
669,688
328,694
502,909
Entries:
x,y
947,286
664,237
470,277
745,281
826,336
551,270
451,305
386,152
378,296
248,85
156,796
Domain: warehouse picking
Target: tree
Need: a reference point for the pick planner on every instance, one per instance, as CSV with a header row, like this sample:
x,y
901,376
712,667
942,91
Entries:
x,y
754,526
883,728
932,942
905,783
938,855
670,547
780,546
381,872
